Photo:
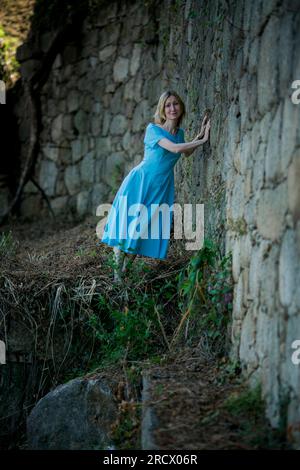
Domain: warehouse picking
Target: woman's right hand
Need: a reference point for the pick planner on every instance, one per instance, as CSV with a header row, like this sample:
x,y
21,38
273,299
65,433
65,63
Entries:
x,y
206,132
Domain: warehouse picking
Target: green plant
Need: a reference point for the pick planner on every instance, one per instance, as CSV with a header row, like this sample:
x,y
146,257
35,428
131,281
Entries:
x,y
205,289
9,65
7,244
125,432
248,408
249,401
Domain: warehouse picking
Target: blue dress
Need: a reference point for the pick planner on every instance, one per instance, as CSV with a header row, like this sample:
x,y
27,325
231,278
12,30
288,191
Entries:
x,y
136,223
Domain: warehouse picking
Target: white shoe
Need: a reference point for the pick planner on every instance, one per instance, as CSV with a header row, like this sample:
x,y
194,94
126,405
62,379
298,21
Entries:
x,y
117,277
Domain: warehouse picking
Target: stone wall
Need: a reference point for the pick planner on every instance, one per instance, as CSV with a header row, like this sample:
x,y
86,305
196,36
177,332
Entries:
x,y
239,60
98,97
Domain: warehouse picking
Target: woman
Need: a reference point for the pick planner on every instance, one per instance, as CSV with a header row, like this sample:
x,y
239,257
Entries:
x,y
151,183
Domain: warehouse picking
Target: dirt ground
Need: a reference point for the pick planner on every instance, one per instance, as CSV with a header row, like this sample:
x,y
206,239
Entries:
x,y
62,248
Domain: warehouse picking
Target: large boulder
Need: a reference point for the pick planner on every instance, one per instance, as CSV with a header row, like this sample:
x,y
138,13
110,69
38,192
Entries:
x,y
76,415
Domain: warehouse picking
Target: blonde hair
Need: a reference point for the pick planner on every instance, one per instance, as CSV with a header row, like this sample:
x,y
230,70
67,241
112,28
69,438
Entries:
x,y
159,115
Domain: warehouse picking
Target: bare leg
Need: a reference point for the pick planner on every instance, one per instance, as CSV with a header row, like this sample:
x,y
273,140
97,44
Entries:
x,y
118,258
128,260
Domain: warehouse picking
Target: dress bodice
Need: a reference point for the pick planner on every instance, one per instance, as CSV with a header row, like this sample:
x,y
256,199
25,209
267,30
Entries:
x,y
161,159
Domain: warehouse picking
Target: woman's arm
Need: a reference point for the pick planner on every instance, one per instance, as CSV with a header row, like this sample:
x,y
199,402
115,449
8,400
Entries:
x,y
186,148
187,153
180,148
205,127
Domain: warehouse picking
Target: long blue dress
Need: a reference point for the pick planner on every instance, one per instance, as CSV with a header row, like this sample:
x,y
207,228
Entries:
x,y
150,183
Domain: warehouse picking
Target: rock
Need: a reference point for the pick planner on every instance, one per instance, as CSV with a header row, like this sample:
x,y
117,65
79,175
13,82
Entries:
x,y
271,211
135,59
73,101
267,86
81,122
120,71
72,179
119,125
288,266
48,176
82,202
294,187
273,156
106,53
56,129
87,168
149,418
76,415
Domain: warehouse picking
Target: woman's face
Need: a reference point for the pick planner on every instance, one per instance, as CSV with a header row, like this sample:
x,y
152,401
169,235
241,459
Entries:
x,y
172,108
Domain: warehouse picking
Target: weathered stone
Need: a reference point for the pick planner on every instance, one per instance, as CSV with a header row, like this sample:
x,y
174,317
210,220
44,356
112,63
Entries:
x,y
236,267
118,125
267,86
87,168
273,157
271,210
103,146
245,250
120,70
237,202
106,124
57,62
238,310
285,59
135,59
245,155
59,204
47,177
291,115
258,177
99,196
244,100
81,121
75,415
140,115
117,102
289,263
114,167
248,355
294,186
96,125
253,55
265,124
269,276
254,271
67,126
93,61
73,101
72,179
107,52
56,129
82,201
87,103
51,152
